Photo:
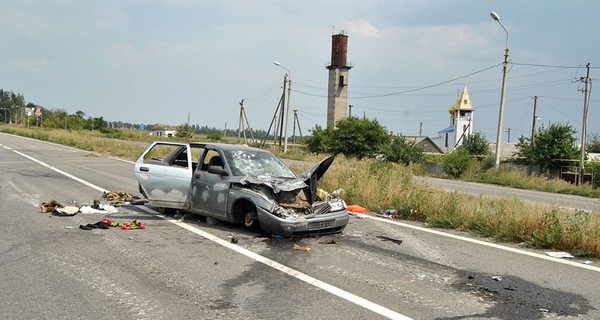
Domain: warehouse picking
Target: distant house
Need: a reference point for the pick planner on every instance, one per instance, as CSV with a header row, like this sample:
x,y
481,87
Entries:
x,y
165,132
424,143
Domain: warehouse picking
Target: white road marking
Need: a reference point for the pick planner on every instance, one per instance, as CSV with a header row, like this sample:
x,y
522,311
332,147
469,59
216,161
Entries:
x,y
58,170
362,302
483,243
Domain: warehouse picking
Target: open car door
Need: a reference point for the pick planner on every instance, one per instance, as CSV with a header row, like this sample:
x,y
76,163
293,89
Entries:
x,y
164,172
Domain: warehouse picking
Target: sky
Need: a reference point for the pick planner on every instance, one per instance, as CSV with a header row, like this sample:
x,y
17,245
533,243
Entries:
x,y
162,61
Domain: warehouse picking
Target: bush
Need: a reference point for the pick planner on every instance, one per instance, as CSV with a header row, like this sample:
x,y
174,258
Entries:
x,y
216,136
402,151
457,162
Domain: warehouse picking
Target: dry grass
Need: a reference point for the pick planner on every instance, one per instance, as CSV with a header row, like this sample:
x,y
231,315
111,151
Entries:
x,y
380,185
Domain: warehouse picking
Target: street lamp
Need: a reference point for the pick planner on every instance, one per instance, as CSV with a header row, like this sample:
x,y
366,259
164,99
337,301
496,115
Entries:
x,y
288,75
502,95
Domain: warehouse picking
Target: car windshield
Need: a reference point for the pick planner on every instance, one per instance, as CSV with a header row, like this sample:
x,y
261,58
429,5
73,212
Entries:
x,y
253,163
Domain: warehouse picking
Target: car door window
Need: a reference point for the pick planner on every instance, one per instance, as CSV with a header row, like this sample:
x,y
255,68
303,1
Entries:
x,y
212,158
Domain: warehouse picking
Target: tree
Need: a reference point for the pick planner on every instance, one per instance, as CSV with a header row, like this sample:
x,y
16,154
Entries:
x,y
352,136
553,147
320,140
476,144
359,138
184,131
592,143
402,151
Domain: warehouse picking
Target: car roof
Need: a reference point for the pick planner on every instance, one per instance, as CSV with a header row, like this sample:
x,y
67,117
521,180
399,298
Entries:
x,y
222,146
235,147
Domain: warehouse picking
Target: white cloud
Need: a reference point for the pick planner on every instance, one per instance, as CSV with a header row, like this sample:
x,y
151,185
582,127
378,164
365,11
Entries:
x,y
362,28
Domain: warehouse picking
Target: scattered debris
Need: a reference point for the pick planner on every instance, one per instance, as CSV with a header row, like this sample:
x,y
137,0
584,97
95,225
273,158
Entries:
x,y
301,248
50,205
354,208
117,196
276,236
385,238
587,262
97,225
497,278
330,241
389,213
561,254
105,224
360,216
234,240
66,210
68,227
89,209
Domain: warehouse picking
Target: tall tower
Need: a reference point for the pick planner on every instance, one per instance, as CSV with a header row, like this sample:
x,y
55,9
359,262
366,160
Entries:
x,y
461,118
337,93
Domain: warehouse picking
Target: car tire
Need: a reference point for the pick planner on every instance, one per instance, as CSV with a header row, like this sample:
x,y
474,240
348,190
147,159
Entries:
x,y
249,221
246,215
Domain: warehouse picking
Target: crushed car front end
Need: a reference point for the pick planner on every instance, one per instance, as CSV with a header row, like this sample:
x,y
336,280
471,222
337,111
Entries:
x,y
302,222
293,206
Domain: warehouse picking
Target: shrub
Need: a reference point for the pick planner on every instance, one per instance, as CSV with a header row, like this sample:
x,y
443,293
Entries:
x,y
457,162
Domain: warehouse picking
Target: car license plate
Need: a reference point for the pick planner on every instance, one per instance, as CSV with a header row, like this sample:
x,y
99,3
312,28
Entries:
x,y
317,225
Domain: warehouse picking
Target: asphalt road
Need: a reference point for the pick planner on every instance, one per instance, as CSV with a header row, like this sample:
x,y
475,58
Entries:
x,y
531,196
189,269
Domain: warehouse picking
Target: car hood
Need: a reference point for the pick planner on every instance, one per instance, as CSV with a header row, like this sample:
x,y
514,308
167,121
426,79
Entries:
x,y
308,179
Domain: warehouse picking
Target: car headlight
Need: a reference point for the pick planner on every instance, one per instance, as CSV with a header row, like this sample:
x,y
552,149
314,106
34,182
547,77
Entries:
x,y
337,205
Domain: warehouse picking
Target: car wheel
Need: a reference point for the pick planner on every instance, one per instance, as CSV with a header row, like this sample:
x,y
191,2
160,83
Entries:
x,y
246,214
249,221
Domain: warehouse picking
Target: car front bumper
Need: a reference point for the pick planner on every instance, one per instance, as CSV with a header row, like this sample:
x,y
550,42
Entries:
x,y
332,222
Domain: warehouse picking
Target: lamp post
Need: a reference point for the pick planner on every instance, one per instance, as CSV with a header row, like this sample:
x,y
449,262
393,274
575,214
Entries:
x,y
287,112
502,95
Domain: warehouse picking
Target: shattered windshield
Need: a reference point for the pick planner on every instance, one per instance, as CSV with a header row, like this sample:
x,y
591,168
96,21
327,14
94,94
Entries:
x,y
252,163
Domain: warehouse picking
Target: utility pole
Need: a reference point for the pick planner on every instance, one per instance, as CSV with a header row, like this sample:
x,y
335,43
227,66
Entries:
x,y
350,111
421,129
241,122
508,131
282,111
225,132
533,131
586,104
287,113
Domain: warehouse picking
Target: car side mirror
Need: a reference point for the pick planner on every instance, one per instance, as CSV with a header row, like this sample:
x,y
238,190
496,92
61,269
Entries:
x,y
217,170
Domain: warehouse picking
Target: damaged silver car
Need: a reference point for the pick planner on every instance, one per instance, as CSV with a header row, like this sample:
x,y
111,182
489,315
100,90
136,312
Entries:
x,y
239,184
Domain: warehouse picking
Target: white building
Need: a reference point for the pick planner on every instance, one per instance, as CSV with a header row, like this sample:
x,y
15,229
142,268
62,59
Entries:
x,y
461,123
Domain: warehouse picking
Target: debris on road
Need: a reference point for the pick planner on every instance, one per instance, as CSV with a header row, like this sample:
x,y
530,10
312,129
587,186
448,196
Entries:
x,y
560,254
587,262
108,204
354,208
385,238
497,278
300,248
106,223
330,241
50,206
389,213
234,240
